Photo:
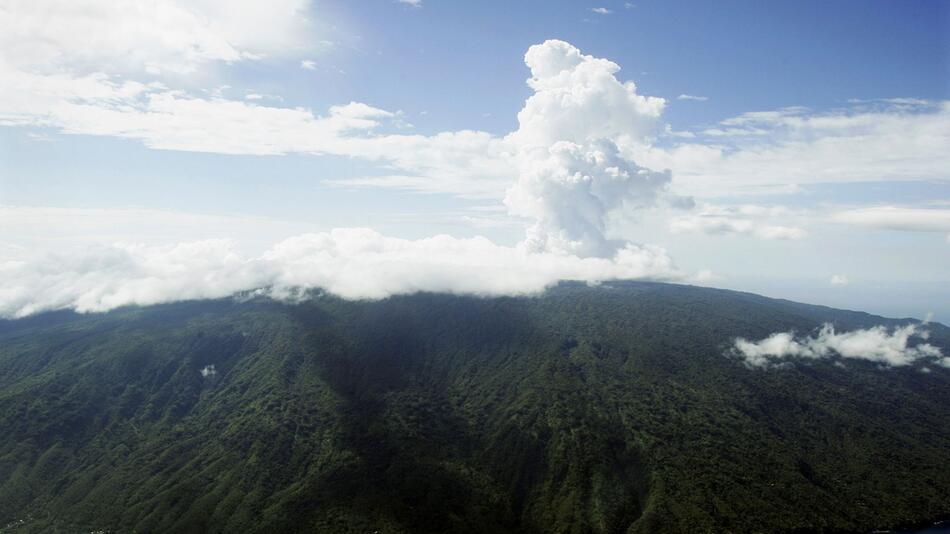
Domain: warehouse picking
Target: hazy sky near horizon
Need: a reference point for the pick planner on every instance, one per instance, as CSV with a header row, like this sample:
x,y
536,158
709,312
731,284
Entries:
x,y
156,150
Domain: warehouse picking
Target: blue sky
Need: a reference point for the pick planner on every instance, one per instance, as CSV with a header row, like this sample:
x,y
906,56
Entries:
x,y
806,144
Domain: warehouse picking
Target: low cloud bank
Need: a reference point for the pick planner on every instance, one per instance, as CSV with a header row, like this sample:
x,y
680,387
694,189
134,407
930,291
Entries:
x,y
875,344
351,263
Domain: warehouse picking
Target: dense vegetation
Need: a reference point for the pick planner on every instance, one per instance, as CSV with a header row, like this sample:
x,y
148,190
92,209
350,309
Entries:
x,y
609,409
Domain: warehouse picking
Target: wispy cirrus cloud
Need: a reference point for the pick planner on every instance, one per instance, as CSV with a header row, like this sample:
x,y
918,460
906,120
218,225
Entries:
x,y
768,151
905,219
748,220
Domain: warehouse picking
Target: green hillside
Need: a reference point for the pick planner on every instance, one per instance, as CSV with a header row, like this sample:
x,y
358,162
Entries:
x,y
607,409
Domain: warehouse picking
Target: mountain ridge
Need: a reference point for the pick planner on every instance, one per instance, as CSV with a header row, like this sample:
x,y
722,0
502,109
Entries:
x,y
613,408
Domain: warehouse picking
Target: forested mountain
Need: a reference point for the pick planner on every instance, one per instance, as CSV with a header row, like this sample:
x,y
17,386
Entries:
x,y
616,408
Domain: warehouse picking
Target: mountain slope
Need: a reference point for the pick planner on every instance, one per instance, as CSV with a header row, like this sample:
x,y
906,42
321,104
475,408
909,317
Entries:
x,y
608,409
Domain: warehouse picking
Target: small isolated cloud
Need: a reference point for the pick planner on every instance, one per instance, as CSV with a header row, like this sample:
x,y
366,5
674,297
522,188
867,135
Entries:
x,y
705,275
601,10
693,97
839,280
901,101
41,137
259,96
308,64
412,3
875,344
208,370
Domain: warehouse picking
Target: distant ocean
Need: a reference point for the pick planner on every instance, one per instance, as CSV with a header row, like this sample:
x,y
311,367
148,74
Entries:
x,y
942,527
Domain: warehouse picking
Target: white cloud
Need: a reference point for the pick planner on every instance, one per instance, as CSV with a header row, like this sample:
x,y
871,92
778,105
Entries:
x,y
569,190
259,96
874,344
601,10
692,97
903,101
168,119
578,98
582,149
467,163
839,280
897,218
572,177
753,153
146,35
39,137
351,263
715,225
359,110
749,220
766,151
571,173
308,64
413,3
78,68
33,228
705,275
